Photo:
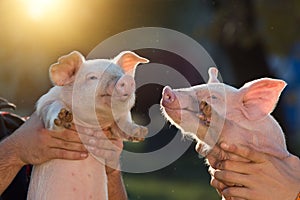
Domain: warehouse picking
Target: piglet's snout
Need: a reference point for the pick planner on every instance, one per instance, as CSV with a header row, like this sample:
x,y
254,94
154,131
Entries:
x,y
125,87
169,98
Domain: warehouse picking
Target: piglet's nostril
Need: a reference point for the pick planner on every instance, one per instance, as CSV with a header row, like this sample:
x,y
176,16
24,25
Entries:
x,y
168,95
125,86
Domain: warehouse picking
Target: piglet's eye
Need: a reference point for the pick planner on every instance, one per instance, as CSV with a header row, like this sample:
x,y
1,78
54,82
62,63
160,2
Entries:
x,y
92,77
214,97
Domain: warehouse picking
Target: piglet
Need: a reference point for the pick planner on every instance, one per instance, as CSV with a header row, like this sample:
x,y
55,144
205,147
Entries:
x,y
216,112
95,94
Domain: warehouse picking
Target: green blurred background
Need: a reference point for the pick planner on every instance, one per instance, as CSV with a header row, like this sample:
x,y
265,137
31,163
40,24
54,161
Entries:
x,y
246,39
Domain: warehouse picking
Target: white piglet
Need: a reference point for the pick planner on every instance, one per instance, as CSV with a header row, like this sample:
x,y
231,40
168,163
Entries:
x,y
215,112
95,94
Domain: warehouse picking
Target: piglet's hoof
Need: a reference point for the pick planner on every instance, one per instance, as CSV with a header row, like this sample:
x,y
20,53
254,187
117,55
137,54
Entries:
x,y
139,134
64,118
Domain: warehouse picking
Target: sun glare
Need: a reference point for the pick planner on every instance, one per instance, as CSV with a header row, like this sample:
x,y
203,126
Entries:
x,y
39,8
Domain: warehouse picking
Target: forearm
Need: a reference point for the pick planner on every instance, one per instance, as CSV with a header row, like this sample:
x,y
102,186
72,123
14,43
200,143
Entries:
x,y
10,164
116,188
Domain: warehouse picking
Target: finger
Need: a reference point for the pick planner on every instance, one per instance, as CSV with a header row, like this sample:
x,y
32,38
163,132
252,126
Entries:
x,y
104,144
62,144
212,171
103,153
236,166
245,152
231,178
215,156
215,151
218,185
236,192
99,133
66,135
56,153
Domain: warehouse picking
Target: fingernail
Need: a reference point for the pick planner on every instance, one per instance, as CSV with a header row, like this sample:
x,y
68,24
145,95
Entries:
x,y
224,146
219,165
83,155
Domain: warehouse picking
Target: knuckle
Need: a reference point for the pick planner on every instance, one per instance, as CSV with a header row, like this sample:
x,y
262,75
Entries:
x,y
61,154
228,192
223,175
65,144
226,176
225,164
67,135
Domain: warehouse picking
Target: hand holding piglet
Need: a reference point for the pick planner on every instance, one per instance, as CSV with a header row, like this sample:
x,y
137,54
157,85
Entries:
x,y
264,177
37,145
100,146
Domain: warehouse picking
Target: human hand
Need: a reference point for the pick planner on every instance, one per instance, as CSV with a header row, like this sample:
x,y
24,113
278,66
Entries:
x,y
265,177
100,146
213,159
35,145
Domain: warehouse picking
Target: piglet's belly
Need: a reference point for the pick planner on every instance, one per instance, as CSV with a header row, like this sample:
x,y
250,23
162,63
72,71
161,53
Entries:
x,y
65,179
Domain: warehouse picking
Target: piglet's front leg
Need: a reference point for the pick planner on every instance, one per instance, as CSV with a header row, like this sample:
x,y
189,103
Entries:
x,y
56,116
128,130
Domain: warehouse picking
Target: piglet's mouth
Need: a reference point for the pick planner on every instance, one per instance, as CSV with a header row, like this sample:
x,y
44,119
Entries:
x,y
171,106
123,97
204,112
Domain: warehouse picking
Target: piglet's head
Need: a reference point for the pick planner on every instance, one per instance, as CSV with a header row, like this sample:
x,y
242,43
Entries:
x,y
64,71
97,85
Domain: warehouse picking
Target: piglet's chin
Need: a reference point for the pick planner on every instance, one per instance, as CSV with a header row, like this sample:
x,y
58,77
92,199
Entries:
x,y
172,115
185,120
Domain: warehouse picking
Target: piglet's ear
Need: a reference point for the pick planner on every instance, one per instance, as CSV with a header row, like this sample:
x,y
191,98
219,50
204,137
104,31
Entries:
x,y
260,97
128,61
213,75
63,72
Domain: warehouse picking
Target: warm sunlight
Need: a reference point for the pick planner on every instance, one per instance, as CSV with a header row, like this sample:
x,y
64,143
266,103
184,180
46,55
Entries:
x,y
39,8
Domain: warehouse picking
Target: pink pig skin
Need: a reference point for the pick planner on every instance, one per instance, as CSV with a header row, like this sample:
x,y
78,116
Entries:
x,y
238,116
100,94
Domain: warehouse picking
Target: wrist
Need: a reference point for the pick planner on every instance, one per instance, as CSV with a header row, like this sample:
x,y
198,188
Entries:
x,y
112,171
12,152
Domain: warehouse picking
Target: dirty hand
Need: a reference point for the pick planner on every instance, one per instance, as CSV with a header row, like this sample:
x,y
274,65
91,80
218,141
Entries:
x,y
34,144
